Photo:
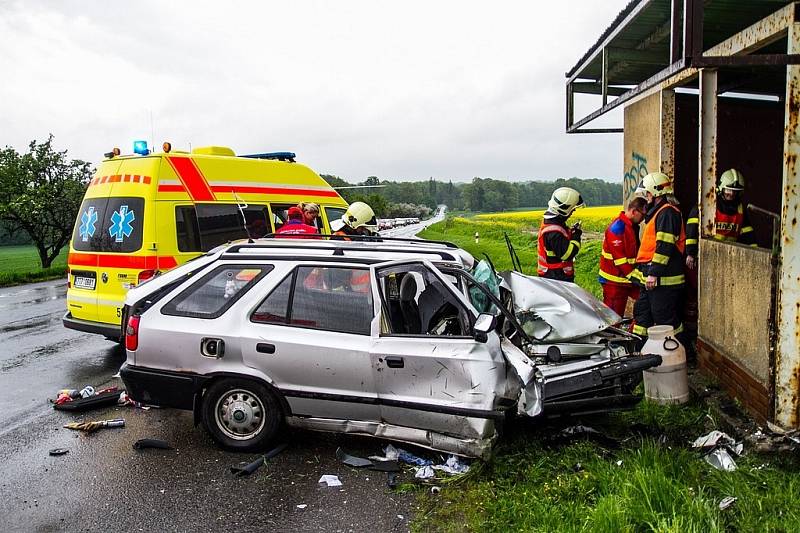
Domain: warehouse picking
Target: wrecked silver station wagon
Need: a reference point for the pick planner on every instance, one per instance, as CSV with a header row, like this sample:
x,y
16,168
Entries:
x,y
404,340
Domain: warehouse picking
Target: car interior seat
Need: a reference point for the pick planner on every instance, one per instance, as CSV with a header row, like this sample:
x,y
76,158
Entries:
x,y
408,306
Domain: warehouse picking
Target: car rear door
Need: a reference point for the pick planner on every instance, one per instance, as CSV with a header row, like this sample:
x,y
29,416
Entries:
x,y
310,333
430,371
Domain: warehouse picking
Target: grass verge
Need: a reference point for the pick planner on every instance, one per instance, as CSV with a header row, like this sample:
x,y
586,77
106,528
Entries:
x,y
20,264
650,481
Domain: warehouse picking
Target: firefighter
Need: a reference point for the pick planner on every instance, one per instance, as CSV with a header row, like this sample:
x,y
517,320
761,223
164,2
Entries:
x,y
618,256
359,219
557,244
731,222
295,225
659,263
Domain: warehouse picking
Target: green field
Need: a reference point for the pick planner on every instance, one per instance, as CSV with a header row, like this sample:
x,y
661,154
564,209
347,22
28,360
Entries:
x,y
20,264
461,231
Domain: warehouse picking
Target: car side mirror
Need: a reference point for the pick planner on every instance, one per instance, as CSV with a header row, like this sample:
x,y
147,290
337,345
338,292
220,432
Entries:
x,y
483,325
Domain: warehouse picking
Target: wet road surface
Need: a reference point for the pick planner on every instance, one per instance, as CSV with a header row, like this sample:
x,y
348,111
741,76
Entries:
x,y
103,484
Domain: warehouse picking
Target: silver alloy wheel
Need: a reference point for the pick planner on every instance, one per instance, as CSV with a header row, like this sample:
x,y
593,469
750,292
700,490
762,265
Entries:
x,y
239,414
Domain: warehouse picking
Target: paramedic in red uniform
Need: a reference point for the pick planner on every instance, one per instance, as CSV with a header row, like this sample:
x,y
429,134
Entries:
x,y
618,256
557,244
295,225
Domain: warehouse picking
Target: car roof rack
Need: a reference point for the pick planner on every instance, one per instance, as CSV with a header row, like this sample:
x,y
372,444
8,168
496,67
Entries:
x,y
360,238
289,157
340,248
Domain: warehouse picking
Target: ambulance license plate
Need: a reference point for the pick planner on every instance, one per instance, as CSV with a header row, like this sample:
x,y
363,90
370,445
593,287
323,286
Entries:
x,y
84,283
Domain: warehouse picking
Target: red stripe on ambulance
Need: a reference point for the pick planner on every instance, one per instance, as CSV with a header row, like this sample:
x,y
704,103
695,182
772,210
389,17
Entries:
x,y
273,190
140,262
192,179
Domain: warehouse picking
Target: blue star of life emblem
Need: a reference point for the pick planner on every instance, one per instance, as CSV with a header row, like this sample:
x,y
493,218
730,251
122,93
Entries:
x,y
87,228
121,224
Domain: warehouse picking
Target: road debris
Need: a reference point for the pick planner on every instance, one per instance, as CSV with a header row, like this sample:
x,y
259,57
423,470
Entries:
x,y
58,451
425,472
330,480
302,506
717,448
392,480
726,502
91,427
88,398
152,443
351,460
581,432
255,465
774,439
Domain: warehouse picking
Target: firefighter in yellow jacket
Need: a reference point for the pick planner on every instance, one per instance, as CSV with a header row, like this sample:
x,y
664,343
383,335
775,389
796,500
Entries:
x,y
659,263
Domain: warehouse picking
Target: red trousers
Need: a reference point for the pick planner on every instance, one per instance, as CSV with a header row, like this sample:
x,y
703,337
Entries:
x,y
616,296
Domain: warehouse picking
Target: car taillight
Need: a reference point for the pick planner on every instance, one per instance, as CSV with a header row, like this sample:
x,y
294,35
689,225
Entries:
x,y
132,333
69,278
145,275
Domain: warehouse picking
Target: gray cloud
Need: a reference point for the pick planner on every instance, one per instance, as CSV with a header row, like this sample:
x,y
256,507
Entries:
x,y
399,90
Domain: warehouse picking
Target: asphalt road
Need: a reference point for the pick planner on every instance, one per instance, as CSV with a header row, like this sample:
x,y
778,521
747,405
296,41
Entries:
x,y
103,484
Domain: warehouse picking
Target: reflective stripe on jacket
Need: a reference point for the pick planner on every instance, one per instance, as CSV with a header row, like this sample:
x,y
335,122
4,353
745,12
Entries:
x,y
548,259
661,251
618,255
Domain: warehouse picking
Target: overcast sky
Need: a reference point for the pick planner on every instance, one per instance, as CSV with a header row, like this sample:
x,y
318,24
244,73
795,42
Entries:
x,y
401,90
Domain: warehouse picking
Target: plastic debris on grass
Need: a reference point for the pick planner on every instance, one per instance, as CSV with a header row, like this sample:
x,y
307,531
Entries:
x,y
717,448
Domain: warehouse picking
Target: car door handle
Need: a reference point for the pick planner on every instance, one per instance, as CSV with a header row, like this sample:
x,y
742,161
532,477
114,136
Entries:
x,y
264,347
393,361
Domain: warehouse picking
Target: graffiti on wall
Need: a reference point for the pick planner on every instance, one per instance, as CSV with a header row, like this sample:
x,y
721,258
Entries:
x,y
634,175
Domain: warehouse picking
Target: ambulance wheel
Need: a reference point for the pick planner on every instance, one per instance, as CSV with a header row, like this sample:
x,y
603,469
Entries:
x,y
241,414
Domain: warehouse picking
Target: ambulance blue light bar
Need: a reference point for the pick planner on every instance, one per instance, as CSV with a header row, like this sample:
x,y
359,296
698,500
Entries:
x,y
140,147
280,156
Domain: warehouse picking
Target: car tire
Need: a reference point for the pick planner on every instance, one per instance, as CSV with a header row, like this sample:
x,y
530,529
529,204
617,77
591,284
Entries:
x,y
241,414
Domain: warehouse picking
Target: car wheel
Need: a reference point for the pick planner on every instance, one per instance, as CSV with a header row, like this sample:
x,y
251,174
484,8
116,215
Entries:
x,y
241,415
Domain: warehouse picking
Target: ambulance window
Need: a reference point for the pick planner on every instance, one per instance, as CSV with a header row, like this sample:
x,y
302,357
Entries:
x,y
334,214
188,231
280,213
221,223
109,225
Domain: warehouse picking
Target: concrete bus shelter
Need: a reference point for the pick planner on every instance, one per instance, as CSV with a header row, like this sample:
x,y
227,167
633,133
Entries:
x,y
708,85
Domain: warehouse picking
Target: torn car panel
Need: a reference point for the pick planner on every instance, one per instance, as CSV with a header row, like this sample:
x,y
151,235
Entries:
x,y
555,311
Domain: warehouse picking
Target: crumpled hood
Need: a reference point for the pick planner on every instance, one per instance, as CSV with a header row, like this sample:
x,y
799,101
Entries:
x,y
553,311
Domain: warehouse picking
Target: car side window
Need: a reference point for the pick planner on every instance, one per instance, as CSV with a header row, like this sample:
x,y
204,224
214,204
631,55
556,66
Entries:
x,y
215,292
334,214
327,298
418,303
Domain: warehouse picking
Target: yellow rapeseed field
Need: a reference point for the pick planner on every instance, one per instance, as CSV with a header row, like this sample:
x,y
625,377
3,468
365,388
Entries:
x,y
592,218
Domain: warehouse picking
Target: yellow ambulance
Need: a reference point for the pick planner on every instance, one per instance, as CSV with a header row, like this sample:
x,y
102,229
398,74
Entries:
x,y
149,212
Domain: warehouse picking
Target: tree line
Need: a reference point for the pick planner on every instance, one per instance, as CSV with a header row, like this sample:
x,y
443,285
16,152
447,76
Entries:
x,y
481,194
41,191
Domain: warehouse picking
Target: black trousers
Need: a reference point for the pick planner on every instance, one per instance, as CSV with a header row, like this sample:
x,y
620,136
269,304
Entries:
x,y
659,306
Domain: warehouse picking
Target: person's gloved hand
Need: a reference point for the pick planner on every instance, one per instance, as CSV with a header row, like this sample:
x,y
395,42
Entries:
x,y
576,234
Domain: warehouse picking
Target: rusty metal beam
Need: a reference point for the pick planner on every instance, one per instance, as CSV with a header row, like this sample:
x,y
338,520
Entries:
x,y
592,87
646,85
746,60
570,106
635,12
693,28
787,353
604,79
707,161
764,32
600,130
675,31
667,128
